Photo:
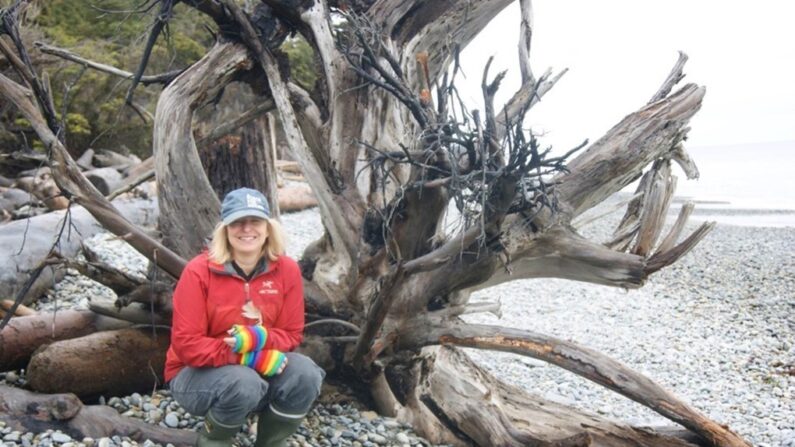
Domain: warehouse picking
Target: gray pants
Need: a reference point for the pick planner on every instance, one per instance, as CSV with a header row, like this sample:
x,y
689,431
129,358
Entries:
x,y
232,392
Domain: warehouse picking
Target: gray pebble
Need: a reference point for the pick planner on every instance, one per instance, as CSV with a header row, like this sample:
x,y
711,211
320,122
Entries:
x,y
135,399
60,437
172,420
378,439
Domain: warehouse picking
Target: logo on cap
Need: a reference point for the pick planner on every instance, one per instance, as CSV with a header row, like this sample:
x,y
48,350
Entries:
x,y
254,202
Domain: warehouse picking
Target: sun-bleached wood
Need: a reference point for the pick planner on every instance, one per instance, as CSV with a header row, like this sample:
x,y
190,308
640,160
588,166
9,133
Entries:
x,y
383,262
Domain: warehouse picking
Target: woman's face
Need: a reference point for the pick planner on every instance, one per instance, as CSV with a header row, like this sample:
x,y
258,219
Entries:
x,y
247,236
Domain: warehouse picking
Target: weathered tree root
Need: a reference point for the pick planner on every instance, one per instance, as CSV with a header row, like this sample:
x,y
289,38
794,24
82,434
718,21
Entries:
x,y
30,412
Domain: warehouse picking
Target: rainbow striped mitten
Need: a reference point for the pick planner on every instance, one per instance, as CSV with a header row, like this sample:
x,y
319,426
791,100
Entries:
x,y
249,338
265,362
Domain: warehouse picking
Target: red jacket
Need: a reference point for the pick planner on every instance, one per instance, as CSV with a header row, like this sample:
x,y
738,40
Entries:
x,y
209,299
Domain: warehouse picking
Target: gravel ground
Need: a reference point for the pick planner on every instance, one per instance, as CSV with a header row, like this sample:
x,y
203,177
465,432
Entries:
x,y
717,329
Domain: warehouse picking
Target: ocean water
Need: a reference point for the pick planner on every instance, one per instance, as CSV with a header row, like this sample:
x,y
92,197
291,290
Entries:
x,y
744,184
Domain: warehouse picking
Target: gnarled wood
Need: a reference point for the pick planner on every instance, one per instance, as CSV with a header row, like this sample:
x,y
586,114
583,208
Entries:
x,y
185,194
484,411
616,159
30,412
384,158
581,361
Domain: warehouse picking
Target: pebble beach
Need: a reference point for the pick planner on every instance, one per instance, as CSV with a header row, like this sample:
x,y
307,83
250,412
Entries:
x,y
717,329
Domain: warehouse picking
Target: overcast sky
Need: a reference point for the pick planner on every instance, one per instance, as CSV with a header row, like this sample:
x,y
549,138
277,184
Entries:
x,y
619,51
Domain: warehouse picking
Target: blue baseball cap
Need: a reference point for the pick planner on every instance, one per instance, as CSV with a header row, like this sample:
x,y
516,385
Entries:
x,y
244,202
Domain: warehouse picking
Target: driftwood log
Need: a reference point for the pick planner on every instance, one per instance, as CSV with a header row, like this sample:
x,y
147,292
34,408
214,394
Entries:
x,y
110,363
24,335
26,243
16,197
30,412
21,310
106,180
296,197
43,187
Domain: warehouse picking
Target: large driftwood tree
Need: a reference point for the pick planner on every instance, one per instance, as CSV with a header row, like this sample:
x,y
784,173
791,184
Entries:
x,y
387,148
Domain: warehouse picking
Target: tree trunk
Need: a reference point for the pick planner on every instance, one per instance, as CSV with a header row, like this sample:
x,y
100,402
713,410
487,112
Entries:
x,y
246,160
110,363
184,192
30,412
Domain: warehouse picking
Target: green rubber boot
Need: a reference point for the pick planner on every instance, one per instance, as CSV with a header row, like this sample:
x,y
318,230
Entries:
x,y
216,434
273,430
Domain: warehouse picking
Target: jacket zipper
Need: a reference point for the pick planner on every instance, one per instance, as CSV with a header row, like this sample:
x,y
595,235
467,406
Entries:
x,y
248,294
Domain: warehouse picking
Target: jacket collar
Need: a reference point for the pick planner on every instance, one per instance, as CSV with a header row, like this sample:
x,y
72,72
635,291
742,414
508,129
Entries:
x,y
227,269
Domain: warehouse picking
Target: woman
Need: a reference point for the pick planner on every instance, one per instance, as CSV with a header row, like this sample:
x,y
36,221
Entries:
x,y
238,314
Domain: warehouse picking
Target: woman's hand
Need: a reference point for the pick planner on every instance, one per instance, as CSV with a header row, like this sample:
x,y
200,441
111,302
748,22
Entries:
x,y
284,365
232,342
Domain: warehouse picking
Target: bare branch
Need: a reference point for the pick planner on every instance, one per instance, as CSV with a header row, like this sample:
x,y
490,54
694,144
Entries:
x,y
364,56
583,221
317,19
673,78
682,158
490,133
22,292
149,174
376,314
246,117
676,229
23,65
582,361
118,280
619,157
525,98
525,38
163,16
666,258
656,199
339,217
163,78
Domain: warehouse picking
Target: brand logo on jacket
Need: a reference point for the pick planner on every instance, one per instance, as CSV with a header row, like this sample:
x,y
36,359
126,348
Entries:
x,y
267,288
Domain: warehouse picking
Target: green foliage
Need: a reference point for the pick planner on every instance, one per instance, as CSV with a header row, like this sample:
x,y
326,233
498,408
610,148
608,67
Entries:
x,y
302,64
110,32
78,124
22,123
97,116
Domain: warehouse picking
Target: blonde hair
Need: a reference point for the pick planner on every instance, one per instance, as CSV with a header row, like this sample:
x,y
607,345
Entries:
x,y
220,251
